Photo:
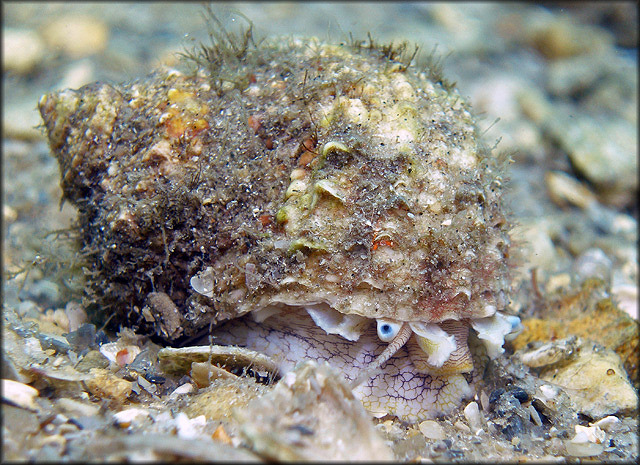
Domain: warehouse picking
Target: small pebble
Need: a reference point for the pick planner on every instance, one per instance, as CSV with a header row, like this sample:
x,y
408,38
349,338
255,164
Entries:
x,y
484,401
555,446
76,408
76,315
78,75
146,385
432,430
67,428
53,341
583,449
9,215
221,435
565,190
203,373
61,319
135,388
602,150
19,394
557,282
53,444
562,38
155,379
92,359
589,434
495,395
60,419
473,416
119,352
126,418
43,291
548,391
106,384
82,338
519,394
624,224
181,390
513,427
28,309
593,263
537,235
547,354
22,50
386,426
626,296
606,423
462,427
535,417
76,36
189,428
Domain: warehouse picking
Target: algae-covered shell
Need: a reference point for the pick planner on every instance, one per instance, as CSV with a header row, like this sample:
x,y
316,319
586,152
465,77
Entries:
x,y
294,173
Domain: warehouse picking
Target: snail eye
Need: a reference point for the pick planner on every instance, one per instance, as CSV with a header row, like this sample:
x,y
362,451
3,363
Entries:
x,y
387,329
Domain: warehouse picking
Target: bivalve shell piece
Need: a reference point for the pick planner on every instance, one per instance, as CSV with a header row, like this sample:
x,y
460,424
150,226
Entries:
x,y
19,394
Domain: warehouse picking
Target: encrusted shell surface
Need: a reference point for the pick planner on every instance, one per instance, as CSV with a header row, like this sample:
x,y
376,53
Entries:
x,y
293,174
302,172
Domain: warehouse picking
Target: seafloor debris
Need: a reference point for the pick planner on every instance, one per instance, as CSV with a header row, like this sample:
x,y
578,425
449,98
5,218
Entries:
x,y
596,381
234,359
312,415
295,177
589,312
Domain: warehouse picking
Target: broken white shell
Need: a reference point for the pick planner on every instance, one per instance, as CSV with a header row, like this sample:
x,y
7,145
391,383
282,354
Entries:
x,y
19,394
202,282
492,331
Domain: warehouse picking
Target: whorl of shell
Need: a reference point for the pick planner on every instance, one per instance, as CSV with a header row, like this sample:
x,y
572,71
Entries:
x,y
294,172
